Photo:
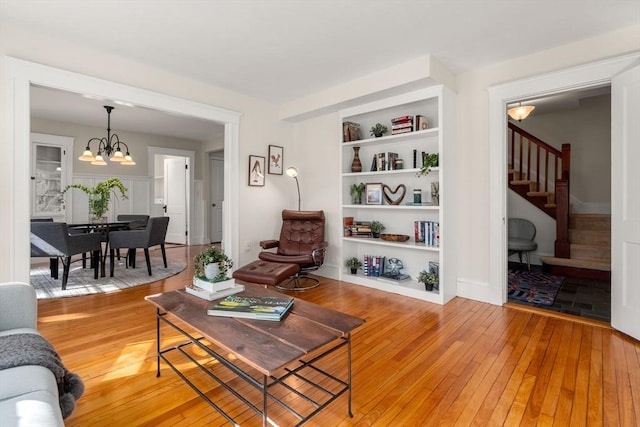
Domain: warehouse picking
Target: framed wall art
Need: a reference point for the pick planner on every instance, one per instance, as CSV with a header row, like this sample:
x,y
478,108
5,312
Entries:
x,y
256,171
276,155
373,194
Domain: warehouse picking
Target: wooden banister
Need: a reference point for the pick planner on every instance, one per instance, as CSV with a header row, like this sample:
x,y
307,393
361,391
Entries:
x,y
549,169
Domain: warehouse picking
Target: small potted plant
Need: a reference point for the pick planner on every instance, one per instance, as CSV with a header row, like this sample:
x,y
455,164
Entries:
x,y
428,161
428,278
376,228
356,193
213,264
378,130
354,264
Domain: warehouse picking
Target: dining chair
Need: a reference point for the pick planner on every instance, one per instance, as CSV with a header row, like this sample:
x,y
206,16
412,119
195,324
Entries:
x,y
52,239
152,235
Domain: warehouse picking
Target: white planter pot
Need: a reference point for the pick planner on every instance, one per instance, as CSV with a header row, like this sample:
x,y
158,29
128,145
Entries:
x,y
211,270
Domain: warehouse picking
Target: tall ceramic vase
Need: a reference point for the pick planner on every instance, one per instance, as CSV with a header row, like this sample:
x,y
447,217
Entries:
x,y
356,165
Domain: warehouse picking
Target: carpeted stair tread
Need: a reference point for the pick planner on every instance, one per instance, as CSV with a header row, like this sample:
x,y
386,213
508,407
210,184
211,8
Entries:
x,y
600,222
576,263
590,252
590,237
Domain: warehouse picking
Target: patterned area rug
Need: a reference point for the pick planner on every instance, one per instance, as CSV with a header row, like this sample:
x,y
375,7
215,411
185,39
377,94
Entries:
x,y
81,281
534,288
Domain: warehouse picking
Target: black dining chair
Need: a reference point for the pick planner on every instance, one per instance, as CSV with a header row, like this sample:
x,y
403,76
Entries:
x,y
152,235
52,239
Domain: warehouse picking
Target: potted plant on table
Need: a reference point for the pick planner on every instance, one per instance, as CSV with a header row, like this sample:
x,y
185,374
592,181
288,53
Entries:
x,y
100,195
354,264
430,279
376,228
212,264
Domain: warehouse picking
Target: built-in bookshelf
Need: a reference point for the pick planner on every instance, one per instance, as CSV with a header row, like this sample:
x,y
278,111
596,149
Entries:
x,y
380,169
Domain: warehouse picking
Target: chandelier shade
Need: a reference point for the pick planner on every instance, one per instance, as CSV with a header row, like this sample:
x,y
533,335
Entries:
x,y
520,112
109,146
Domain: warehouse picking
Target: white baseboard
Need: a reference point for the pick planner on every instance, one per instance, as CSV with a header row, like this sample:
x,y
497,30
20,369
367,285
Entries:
x,y
477,291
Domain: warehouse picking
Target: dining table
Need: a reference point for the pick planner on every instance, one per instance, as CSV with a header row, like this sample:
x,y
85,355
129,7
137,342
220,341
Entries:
x,y
104,228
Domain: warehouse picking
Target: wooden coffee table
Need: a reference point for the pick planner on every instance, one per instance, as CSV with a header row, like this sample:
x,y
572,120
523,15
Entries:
x,y
293,367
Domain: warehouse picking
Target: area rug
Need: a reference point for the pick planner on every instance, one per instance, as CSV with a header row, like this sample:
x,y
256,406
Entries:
x,y
534,288
81,281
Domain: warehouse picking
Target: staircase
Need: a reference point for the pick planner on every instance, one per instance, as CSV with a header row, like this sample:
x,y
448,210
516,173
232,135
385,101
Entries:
x,y
540,173
590,248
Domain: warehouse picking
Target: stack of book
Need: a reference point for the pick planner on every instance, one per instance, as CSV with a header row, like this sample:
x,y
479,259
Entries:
x,y
427,232
204,289
402,124
361,229
252,307
373,265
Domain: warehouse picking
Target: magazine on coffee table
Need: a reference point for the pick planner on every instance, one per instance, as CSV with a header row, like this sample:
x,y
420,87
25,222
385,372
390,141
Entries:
x,y
252,307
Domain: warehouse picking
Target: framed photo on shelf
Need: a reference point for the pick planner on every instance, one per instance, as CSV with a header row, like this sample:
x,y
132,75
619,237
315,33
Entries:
x,y
276,155
373,194
434,267
256,171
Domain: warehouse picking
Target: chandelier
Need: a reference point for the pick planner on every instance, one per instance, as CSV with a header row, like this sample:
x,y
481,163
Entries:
x,y
520,112
109,146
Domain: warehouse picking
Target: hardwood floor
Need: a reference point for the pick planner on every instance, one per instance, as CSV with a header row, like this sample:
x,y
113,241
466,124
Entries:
x,y
414,363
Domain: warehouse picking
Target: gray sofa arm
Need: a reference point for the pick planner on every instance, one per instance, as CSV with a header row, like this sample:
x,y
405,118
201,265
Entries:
x,y
18,306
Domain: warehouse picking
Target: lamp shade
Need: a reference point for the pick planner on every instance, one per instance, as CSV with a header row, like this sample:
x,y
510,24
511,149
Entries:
x,y
520,112
292,172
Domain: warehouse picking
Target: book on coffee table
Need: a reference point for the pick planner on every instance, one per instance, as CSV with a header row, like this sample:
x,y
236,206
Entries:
x,y
209,295
252,307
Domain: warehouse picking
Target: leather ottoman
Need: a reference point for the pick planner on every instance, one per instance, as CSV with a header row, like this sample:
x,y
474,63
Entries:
x,y
266,273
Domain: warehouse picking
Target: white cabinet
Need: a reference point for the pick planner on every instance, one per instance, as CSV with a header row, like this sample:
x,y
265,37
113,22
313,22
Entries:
x,y
50,173
437,105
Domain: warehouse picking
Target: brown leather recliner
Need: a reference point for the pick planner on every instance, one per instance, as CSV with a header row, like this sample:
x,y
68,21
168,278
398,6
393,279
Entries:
x,y
301,242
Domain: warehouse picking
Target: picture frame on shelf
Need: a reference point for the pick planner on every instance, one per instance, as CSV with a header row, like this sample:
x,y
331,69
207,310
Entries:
x,y
434,267
373,193
256,171
276,158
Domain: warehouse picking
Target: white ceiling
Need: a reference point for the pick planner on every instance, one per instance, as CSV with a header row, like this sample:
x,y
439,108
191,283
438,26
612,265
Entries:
x,y
280,50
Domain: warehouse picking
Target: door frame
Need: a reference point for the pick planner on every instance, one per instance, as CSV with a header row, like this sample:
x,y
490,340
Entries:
x,y
191,158
16,78
595,74
214,155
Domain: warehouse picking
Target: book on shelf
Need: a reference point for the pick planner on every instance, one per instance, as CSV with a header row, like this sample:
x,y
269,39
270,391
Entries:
x,y
402,125
401,119
351,132
252,307
347,223
427,232
373,265
399,131
203,283
210,296
395,279
421,123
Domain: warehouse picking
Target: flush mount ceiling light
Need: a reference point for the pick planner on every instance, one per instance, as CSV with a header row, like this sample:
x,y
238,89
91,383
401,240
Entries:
x,y
520,112
109,146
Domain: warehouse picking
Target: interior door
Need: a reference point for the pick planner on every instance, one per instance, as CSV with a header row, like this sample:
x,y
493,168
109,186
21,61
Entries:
x,y
625,202
217,198
175,198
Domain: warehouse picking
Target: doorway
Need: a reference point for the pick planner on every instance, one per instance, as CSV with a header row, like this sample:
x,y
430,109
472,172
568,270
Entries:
x,y
216,189
577,286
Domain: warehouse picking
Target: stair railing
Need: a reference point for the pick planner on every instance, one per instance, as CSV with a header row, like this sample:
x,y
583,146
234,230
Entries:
x,y
549,169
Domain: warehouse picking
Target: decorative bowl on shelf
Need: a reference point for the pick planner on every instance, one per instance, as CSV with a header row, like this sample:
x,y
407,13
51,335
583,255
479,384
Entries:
x,y
395,237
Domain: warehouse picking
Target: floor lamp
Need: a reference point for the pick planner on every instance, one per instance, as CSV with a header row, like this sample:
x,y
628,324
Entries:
x,y
293,173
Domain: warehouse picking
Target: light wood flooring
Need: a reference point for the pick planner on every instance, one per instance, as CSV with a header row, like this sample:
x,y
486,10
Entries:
x,y
414,363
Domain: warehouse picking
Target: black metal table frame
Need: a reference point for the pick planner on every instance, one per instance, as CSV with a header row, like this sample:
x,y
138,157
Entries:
x,y
267,381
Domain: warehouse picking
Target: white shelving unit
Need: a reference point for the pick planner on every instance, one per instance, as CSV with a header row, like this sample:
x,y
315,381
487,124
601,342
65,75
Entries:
x,y
437,105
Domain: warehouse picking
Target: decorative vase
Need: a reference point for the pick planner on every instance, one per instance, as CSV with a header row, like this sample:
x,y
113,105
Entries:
x,y
356,165
97,211
211,271
357,198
